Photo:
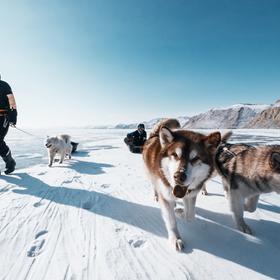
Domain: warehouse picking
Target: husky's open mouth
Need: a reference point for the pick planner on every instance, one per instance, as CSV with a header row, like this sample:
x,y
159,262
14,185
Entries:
x,y
48,145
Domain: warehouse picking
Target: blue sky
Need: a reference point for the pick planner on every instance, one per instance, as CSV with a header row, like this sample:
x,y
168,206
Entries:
x,y
106,61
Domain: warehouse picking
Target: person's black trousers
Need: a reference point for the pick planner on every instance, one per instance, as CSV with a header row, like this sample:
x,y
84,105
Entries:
x,y
4,127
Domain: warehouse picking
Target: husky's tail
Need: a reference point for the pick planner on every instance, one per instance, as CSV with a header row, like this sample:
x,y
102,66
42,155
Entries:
x,y
66,138
169,123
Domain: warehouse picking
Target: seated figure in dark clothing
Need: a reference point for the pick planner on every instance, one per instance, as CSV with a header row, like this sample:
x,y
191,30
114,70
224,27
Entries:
x,y
135,140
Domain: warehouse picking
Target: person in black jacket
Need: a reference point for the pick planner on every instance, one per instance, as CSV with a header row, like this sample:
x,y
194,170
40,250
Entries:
x,y
8,116
135,140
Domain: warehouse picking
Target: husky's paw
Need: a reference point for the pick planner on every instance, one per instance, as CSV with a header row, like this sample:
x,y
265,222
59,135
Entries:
x,y
156,198
245,228
179,212
226,194
50,165
177,243
190,217
204,192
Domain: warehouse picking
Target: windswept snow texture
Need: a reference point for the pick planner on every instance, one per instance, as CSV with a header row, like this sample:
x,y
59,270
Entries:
x,y
94,217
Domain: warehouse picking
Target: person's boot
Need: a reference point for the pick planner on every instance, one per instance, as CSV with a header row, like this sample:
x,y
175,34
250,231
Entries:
x,y
10,163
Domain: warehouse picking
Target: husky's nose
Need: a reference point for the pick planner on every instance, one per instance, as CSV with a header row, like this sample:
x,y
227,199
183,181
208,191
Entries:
x,y
180,177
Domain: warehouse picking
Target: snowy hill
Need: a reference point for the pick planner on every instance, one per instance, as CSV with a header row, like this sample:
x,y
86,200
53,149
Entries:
x,y
149,124
268,118
277,103
254,116
94,218
236,116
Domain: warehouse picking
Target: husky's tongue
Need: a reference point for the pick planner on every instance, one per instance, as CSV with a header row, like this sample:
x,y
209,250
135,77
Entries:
x,y
179,191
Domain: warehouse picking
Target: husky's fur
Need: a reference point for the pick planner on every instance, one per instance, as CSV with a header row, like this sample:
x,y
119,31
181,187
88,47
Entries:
x,y
247,172
59,145
178,162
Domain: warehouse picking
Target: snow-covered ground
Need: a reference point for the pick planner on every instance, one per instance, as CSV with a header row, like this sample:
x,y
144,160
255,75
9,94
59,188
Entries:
x,y
94,217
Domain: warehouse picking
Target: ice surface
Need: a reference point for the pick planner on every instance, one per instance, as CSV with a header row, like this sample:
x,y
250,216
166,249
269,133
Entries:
x,y
94,217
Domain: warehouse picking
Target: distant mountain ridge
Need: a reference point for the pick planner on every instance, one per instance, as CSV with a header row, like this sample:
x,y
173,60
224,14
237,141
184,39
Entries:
x,y
269,118
236,116
149,124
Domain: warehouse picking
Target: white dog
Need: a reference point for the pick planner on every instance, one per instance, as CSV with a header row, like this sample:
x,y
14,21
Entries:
x,y
59,145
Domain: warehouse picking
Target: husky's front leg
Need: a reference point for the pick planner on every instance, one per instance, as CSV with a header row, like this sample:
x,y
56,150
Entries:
x,y
51,157
226,187
204,190
155,195
62,156
69,152
189,208
168,214
237,207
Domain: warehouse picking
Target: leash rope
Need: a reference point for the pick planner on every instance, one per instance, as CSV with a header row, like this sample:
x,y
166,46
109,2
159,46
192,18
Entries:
x,y
27,133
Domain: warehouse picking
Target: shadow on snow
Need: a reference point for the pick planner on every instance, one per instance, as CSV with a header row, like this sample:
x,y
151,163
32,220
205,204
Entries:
x,y
211,232
83,167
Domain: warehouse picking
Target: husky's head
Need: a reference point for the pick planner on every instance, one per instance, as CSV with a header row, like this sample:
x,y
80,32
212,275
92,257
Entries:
x,y
50,141
187,158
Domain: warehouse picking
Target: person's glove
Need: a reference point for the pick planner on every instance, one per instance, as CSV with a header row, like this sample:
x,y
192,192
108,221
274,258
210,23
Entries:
x,y
12,116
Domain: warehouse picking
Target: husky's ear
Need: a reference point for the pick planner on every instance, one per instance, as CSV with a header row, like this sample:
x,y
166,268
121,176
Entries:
x,y
213,140
275,161
226,136
165,136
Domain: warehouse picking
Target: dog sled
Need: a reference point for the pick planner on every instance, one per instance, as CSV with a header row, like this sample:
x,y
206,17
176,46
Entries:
x,y
133,148
74,146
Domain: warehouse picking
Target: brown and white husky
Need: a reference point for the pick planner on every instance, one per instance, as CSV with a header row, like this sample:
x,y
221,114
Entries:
x,y
247,172
178,163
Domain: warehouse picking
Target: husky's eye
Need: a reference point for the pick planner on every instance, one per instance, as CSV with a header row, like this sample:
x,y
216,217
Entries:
x,y
195,160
